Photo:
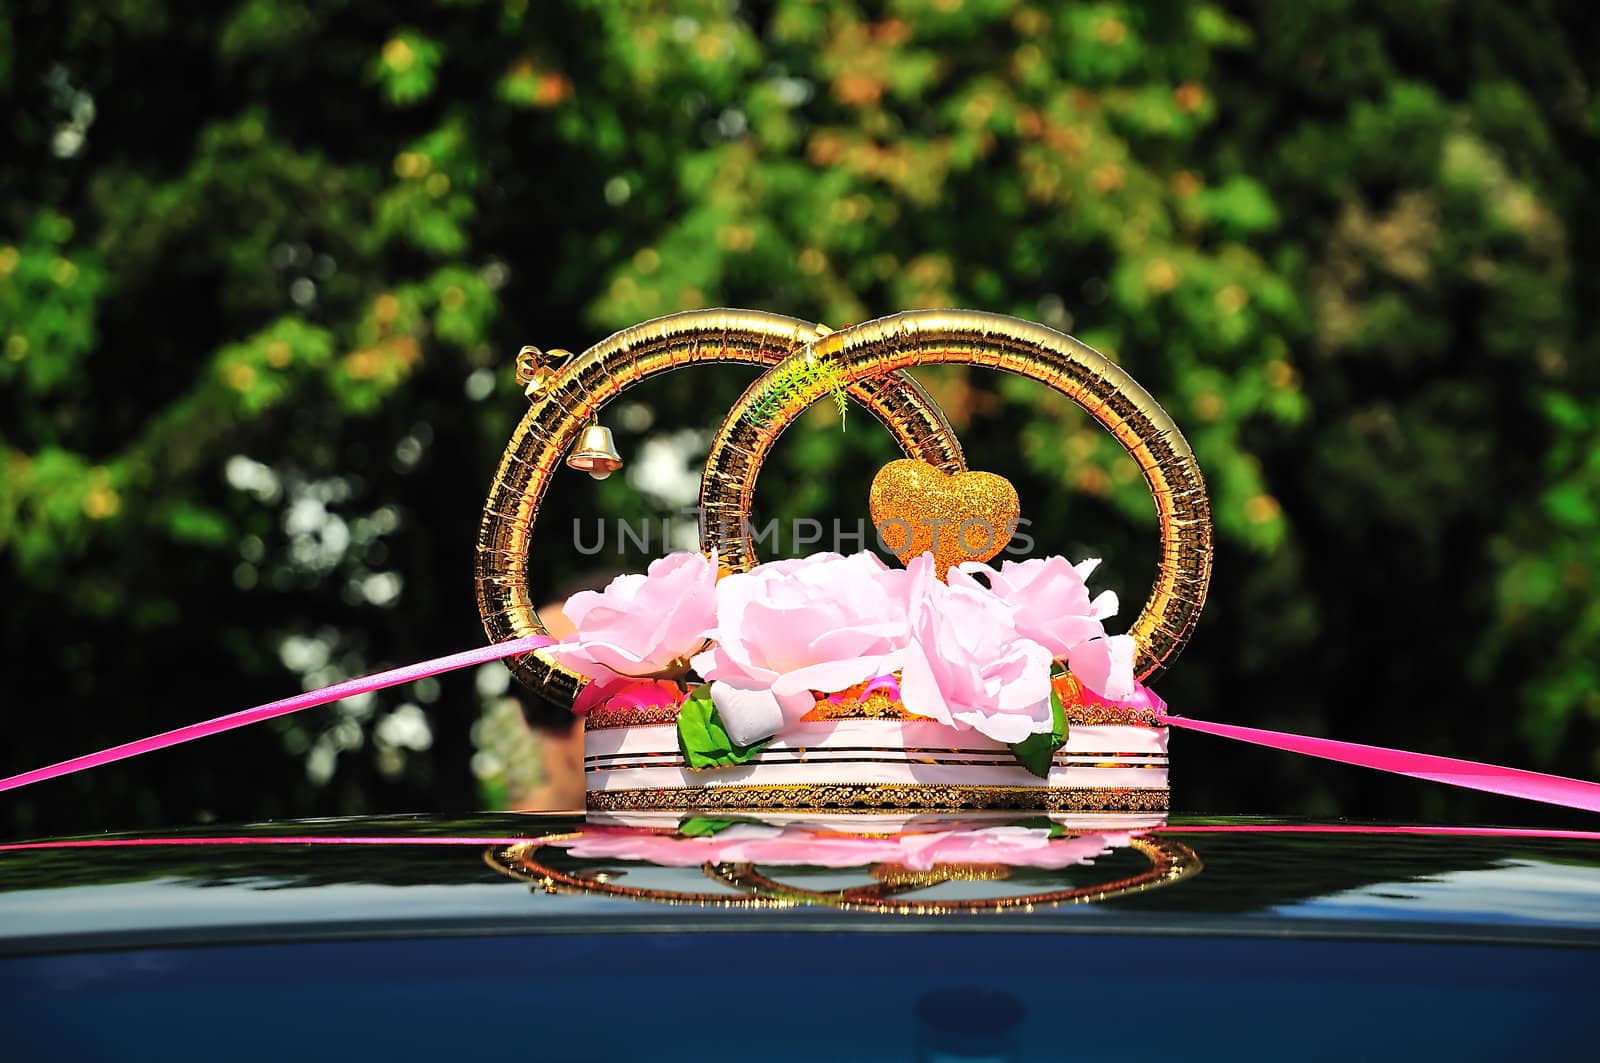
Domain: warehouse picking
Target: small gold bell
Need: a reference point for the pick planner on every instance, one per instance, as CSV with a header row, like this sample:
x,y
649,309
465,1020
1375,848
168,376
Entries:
x,y
596,452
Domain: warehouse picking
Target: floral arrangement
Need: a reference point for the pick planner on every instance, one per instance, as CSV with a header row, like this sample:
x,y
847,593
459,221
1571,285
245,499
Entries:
x,y
747,656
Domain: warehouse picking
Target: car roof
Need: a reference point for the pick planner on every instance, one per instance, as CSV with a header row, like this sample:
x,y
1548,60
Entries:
x,y
509,873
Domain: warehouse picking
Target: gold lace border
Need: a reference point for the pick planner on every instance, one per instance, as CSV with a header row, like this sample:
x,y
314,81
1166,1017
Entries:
x,y
930,797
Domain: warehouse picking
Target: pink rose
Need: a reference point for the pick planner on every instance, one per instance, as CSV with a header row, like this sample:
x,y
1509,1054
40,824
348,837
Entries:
x,y
1053,608
626,694
786,628
640,626
967,665
1143,698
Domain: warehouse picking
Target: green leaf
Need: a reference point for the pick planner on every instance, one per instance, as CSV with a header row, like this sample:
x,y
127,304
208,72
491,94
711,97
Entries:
x,y
1239,205
1566,411
705,826
190,523
1572,505
1035,751
701,736
407,67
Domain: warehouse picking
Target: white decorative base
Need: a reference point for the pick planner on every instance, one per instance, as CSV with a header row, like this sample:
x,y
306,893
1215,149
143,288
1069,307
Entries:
x,y
881,764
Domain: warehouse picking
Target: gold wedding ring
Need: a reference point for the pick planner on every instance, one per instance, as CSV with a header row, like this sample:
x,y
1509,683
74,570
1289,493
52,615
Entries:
x,y
1112,397
564,405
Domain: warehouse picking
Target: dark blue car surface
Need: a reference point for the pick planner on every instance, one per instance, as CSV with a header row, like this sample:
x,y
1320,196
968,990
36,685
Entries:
x,y
411,938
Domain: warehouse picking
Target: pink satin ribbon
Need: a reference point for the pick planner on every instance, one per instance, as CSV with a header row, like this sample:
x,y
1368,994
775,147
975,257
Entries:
x,y
1511,782
1361,828
282,839
515,839
339,691
1470,774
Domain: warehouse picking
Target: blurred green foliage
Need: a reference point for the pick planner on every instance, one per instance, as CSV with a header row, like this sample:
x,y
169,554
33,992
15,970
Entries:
x,y
264,265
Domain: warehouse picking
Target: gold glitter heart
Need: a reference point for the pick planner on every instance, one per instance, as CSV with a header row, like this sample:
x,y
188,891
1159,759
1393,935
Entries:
x,y
918,507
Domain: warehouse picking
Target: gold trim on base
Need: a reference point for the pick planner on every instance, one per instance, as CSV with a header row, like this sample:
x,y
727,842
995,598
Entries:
x,y
929,797
608,718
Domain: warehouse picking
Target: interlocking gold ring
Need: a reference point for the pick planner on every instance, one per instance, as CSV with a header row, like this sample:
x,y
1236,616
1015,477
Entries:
x,y
1077,371
567,401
